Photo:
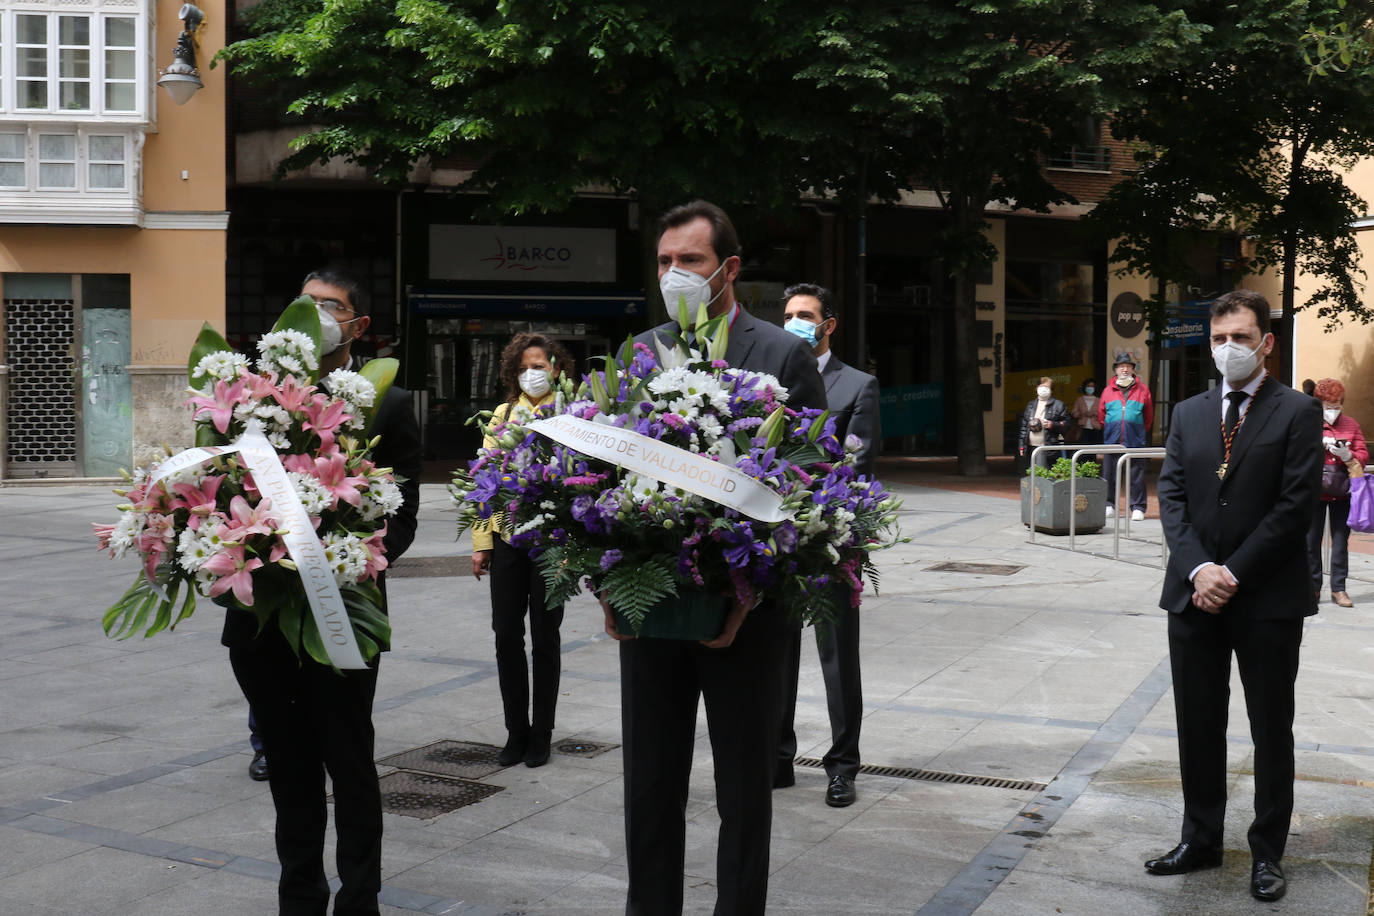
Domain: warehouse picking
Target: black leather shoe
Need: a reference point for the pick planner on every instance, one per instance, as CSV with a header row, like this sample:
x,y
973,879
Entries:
x,y
783,777
537,754
514,751
1183,858
841,792
1267,881
257,770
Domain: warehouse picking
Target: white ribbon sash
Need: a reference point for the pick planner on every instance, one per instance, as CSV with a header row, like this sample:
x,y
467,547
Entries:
x,y
675,466
301,541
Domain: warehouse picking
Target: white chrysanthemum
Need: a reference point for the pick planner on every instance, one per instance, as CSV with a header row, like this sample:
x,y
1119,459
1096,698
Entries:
x,y
357,393
126,531
352,387
811,523
194,548
840,522
531,524
686,407
709,427
314,496
287,352
280,441
381,498
222,364
347,557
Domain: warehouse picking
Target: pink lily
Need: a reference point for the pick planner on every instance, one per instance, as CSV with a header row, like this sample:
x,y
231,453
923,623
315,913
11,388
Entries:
x,y
221,406
376,554
102,535
260,387
301,464
291,394
235,573
199,501
324,417
245,520
332,473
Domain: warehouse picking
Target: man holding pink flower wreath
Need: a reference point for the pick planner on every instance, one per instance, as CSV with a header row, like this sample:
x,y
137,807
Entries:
x,y
740,673
313,719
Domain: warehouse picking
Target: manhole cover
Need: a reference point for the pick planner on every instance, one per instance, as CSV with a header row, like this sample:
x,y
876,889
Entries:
x,y
978,569
465,759
429,567
580,747
425,795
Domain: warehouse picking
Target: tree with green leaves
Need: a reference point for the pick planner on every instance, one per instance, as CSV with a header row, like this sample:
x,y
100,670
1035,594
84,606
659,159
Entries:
x,y
1238,138
745,104
967,99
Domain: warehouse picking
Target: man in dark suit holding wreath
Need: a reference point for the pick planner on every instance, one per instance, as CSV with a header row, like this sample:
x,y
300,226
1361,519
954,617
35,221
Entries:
x,y
739,674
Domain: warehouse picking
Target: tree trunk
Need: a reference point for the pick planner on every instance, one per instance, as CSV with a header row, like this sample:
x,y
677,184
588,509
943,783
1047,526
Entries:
x,y
970,446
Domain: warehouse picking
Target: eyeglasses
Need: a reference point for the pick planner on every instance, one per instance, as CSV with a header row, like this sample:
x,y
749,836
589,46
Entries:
x,y
334,307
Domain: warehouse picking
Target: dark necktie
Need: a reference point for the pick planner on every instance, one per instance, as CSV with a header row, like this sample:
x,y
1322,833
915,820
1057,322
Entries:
x,y
1236,398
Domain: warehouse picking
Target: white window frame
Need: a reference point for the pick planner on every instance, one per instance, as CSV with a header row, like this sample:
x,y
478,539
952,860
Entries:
x,y
24,160
75,161
99,12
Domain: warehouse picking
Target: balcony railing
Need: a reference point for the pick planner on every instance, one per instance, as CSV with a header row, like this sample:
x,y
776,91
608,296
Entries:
x,y
1085,158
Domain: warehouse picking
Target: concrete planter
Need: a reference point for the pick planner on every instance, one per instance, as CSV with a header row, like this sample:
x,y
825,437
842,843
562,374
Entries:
x,y
1049,504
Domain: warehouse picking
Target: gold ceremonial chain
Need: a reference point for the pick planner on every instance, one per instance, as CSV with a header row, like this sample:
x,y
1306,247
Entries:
x,y
1228,439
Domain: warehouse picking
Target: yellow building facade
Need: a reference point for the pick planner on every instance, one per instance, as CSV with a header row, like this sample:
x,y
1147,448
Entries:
x,y
112,231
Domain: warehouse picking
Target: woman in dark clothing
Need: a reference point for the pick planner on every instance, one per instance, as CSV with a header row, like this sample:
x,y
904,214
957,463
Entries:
x,y
529,365
1043,423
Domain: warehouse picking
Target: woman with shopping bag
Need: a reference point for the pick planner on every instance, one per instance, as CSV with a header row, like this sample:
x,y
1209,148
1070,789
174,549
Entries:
x,y
1346,456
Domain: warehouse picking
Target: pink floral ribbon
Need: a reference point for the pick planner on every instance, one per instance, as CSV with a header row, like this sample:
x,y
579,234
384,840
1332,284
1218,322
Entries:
x,y
297,534
674,466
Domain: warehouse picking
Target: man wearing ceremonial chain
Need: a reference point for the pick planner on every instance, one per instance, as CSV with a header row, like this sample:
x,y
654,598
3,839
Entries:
x,y
1239,486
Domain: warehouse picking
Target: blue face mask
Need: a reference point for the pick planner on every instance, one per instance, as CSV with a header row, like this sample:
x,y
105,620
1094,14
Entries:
x,y
802,328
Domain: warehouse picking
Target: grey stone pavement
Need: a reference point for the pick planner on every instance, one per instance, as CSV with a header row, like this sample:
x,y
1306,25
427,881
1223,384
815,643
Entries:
x,y
123,783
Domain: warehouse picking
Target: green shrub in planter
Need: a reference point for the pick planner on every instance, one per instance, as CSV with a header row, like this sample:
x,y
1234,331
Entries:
x,y
1049,503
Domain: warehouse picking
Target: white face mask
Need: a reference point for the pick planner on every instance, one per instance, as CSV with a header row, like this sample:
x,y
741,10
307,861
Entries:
x,y
677,283
1042,393
1331,413
534,382
1236,362
331,332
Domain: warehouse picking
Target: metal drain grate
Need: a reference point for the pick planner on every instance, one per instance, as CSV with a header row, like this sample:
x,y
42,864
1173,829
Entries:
x,y
424,795
463,759
978,569
429,567
1020,785
581,747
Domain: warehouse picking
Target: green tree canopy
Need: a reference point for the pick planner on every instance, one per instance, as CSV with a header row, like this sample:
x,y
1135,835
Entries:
x,y
743,103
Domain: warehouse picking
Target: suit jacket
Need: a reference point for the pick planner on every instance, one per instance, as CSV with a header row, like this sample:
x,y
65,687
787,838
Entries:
x,y
762,347
399,450
1255,520
853,399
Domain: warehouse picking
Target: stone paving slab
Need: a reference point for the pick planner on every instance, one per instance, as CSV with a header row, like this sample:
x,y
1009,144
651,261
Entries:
x,y
123,784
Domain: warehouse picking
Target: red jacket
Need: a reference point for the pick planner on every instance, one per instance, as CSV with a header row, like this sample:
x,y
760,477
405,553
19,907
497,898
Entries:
x,y
1345,428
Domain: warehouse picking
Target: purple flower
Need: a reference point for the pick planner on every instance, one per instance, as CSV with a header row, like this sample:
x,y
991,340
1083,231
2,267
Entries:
x,y
609,559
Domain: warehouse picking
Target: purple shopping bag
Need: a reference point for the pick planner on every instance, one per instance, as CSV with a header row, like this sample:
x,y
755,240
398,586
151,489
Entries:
x,y
1361,503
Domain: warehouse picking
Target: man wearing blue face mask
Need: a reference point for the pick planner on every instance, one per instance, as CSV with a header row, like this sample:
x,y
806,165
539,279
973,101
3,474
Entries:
x,y
740,673
853,398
